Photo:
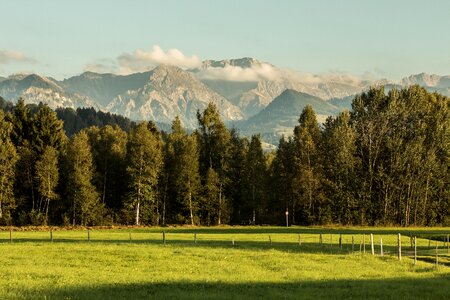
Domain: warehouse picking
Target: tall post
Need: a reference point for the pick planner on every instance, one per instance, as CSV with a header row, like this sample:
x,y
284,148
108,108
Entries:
x,y
371,244
415,250
364,244
381,246
287,217
353,244
448,242
195,238
299,239
399,242
437,254
340,241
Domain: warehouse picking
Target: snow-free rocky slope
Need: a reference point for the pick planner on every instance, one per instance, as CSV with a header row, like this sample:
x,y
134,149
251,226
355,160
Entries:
x,y
170,92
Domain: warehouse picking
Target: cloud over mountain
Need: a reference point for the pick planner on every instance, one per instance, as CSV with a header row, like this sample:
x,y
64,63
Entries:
x,y
236,73
9,56
141,60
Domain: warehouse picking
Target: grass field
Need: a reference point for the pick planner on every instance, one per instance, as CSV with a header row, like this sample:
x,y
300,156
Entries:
x,y
111,266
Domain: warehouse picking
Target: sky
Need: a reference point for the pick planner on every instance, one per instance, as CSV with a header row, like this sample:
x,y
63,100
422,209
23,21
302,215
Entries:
x,y
384,39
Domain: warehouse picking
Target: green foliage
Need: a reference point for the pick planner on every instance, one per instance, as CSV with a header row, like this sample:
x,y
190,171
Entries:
x,y
255,174
47,130
85,201
387,161
144,156
182,159
308,173
8,159
47,175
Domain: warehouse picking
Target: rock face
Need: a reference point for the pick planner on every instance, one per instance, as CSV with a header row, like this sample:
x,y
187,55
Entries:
x,y
433,83
242,88
168,92
34,89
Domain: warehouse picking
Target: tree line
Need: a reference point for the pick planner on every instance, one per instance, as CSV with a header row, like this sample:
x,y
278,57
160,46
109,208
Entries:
x,y
385,162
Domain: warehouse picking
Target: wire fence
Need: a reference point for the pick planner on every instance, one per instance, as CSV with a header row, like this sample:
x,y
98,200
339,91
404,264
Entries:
x,y
431,248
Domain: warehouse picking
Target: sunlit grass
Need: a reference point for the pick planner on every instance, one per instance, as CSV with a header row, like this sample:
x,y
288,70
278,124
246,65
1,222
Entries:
x,y
111,265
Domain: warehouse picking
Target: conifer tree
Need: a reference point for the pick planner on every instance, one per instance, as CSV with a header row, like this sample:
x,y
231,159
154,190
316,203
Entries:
x,y
8,159
215,146
86,206
183,154
255,178
47,130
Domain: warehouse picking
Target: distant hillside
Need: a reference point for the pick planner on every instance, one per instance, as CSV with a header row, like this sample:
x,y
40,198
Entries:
x,y
281,115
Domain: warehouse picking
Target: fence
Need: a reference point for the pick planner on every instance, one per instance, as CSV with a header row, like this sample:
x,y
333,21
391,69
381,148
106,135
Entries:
x,y
431,248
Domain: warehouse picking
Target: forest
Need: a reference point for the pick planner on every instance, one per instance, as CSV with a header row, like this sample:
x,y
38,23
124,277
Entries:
x,y
385,162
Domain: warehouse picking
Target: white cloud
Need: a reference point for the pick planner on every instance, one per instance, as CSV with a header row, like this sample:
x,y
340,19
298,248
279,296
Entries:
x,y
236,73
9,56
141,60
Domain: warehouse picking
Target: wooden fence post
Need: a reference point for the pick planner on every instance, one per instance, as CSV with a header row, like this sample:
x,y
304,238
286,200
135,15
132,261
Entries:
x,y
353,244
415,250
371,244
437,254
195,238
381,246
448,242
299,239
331,240
364,244
399,242
340,241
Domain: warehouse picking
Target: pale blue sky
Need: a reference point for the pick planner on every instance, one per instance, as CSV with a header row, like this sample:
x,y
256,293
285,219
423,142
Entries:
x,y
386,38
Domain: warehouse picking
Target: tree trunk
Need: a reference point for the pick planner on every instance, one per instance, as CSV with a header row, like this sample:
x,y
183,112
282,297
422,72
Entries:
x,y
1,196
46,212
73,209
254,204
190,203
137,214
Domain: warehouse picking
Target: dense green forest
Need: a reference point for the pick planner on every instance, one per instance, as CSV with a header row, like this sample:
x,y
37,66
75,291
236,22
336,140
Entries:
x,y
385,162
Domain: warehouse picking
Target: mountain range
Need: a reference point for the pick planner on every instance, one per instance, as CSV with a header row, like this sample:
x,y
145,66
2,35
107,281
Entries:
x,y
255,96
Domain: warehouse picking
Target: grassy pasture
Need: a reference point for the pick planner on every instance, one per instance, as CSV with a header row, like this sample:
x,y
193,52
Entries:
x,y
111,266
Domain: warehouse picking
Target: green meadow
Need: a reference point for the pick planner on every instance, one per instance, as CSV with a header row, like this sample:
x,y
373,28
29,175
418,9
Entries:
x,y
224,263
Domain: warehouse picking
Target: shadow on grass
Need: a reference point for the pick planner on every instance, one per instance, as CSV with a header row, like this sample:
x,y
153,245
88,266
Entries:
x,y
430,288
